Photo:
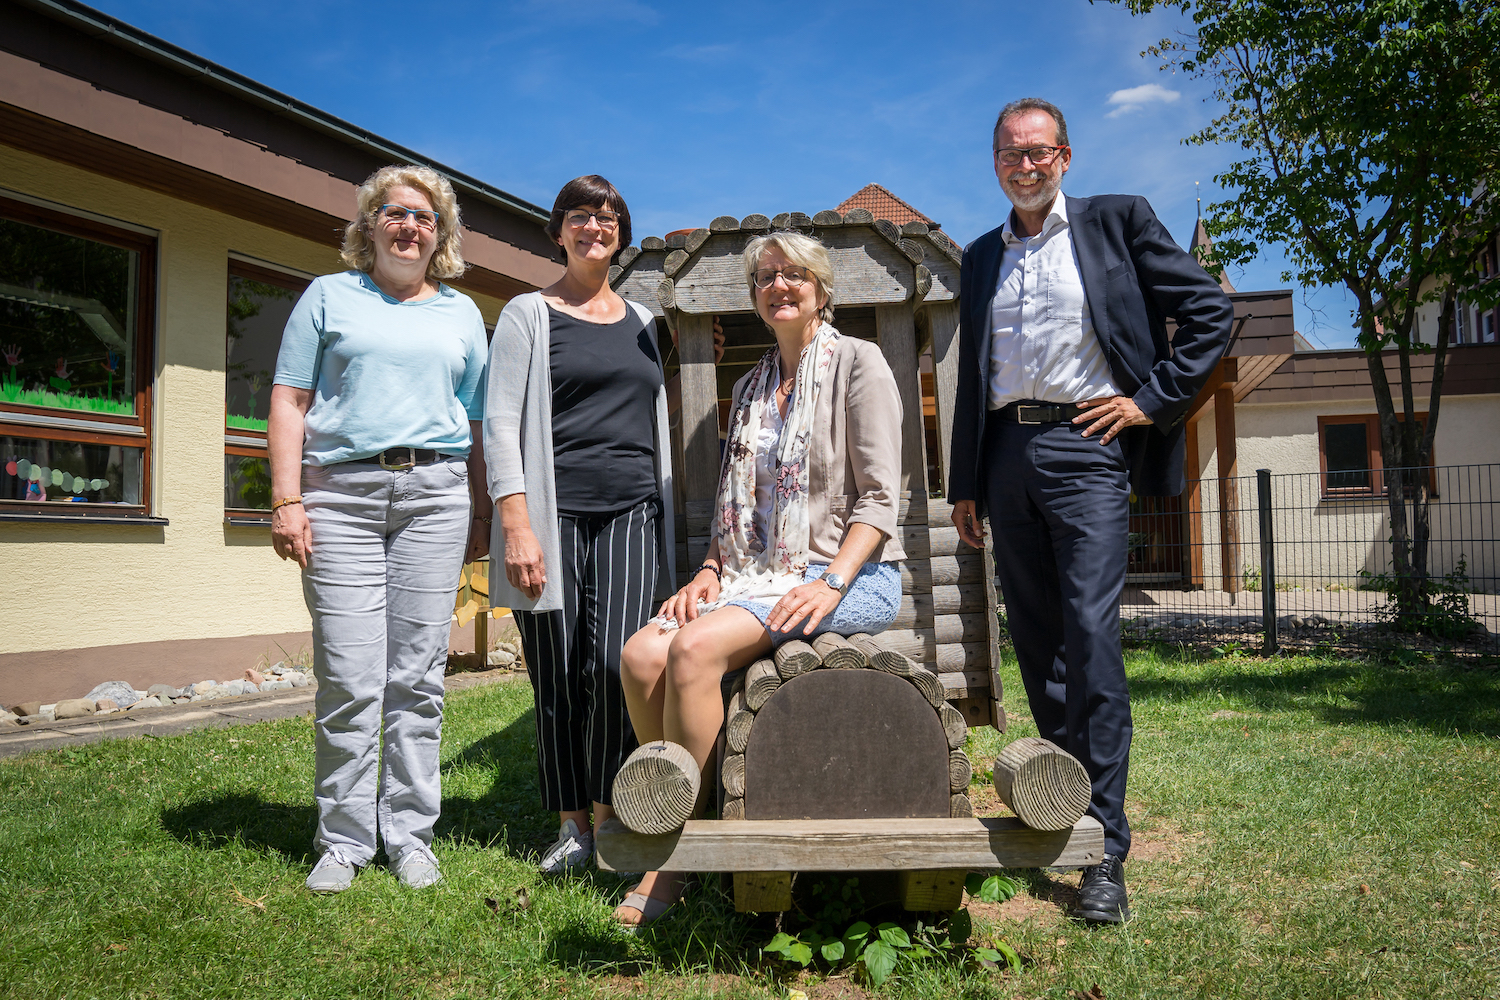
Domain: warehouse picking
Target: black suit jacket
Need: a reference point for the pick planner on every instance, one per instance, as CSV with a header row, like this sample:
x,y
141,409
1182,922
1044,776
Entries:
x,y
1134,277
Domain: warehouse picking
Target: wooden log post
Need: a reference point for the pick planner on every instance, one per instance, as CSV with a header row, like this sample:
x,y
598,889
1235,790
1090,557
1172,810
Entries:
x,y
931,890
960,771
733,809
1046,787
960,807
732,774
737,724
761,681
700,418
839,653
763,892
795,657
942,319
656,788
954,726
896,329
1229,500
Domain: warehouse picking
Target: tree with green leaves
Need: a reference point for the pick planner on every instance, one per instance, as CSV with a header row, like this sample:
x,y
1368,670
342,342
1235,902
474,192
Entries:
x,y
1371,133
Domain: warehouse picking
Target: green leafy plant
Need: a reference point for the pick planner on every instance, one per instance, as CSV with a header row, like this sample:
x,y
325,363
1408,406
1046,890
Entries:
x,y
1444,611
1252,579
880,949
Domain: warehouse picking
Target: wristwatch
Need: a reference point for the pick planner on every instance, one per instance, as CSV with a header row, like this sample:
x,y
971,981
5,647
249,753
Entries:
x,y
836,582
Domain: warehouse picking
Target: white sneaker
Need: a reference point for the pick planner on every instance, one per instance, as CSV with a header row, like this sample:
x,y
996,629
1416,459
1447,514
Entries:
x,y
571,850
417,868
334,872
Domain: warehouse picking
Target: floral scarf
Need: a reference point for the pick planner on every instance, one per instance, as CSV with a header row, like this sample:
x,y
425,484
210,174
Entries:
x,y
752,571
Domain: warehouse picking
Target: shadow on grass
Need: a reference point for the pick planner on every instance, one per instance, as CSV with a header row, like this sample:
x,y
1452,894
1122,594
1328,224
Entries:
x,y
247,820
1439,698
508,816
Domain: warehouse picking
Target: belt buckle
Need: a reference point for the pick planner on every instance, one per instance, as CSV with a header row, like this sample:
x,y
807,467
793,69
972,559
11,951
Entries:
x,y
410,463
1022,410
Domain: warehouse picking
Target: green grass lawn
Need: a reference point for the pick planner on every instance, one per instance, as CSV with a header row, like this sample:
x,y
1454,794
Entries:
x,y
1334,835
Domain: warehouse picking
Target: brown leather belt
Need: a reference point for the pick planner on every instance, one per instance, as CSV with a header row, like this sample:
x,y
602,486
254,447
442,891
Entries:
x,y
1039,413
401,459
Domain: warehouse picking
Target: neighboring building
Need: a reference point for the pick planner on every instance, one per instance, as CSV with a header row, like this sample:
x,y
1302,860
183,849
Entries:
x,y
1280,405
159,215
883,205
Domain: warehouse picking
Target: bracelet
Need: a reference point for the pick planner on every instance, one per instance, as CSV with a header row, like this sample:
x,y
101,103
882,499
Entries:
x,y
486,520
284,501
714,569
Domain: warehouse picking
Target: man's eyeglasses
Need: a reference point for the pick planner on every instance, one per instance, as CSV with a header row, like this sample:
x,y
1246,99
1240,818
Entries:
x,y
793,276
1010,155
578,218
400,213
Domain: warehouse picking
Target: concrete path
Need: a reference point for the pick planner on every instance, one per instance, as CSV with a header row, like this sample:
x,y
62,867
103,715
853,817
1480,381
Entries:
x,y
16,740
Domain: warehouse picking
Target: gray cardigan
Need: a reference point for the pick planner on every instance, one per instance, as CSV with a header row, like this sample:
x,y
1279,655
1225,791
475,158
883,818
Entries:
x,y
518,449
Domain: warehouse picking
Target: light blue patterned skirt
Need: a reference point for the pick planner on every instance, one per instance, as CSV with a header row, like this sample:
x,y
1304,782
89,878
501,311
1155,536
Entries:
x,y
870,605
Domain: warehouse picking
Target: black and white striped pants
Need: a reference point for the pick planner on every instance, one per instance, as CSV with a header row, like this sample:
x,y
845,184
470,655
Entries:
x,y
583,733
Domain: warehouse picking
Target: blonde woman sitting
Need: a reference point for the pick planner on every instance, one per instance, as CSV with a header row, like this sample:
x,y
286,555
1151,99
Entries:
x,y
805,538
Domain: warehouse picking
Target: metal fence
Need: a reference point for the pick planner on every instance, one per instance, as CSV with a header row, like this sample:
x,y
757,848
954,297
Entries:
x,y
1302,561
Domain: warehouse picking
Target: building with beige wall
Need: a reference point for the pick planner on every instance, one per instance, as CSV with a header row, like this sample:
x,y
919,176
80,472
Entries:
x,y
154,208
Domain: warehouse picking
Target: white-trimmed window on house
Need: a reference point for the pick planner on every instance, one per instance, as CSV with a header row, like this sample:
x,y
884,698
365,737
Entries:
x,y
76,298
1349,456
259,301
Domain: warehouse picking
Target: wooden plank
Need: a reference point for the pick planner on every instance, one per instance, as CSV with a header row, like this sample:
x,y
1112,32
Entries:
x,y
992,599
942,319
855,744
700,409
916,615
945,274
1192,509
763,892
931,890
640,278
921,542
889,844
897,331
699,515
976,710
713,279
963,684
921,575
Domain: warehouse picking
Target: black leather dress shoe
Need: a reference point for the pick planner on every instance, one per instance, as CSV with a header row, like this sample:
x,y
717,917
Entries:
x,y
1101,894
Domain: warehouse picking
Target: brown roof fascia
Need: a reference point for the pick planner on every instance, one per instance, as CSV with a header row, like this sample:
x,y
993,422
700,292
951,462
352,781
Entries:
x,y
67,119
1472,369
112,56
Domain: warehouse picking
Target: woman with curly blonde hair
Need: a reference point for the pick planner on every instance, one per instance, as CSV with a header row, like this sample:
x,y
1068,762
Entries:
x,y
377,491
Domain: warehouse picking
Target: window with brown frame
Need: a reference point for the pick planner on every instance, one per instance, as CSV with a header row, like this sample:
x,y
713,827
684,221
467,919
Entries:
x,y
1349,457
259,301
76,324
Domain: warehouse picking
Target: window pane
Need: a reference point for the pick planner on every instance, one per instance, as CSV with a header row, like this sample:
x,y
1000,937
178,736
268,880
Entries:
x,y
1346,449
247,482
69,471
257,314
67,321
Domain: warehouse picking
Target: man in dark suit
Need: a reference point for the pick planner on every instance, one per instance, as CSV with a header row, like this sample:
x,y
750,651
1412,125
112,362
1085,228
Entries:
x,y
1070,397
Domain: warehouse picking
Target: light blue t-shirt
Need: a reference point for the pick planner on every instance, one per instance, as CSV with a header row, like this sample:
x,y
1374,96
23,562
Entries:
x,y
385,374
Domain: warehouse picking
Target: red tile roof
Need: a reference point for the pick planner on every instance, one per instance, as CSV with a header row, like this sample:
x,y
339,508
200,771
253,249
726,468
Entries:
x,y
884,205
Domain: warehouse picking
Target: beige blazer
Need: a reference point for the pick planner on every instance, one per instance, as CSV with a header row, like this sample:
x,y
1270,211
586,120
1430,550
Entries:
x,y
854,474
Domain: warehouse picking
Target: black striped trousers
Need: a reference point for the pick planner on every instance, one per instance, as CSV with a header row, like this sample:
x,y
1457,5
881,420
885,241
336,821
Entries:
x,y
583,731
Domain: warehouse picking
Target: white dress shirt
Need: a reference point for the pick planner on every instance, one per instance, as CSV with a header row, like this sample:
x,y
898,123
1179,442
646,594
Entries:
x,y
1042,343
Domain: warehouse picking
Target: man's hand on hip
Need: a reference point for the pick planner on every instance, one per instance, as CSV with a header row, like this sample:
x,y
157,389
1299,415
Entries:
x,y
966,519
1112,412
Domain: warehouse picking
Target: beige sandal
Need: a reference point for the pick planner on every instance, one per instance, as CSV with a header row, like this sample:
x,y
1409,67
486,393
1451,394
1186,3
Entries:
x,y
649,907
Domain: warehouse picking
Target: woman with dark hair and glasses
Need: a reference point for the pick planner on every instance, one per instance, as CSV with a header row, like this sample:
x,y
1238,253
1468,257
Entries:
x,y
580,470
377,398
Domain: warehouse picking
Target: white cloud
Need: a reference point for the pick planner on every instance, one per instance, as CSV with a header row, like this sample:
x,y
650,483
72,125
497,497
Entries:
x,y
1135,98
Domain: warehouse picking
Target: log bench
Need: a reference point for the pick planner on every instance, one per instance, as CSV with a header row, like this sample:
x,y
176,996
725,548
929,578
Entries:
x,y
843,755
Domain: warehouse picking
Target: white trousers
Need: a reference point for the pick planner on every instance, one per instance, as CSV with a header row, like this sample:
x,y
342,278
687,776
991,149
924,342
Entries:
x,y
387,548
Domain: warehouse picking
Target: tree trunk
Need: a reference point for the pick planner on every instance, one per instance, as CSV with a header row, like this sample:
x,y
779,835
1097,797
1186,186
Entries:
x,y
1395,493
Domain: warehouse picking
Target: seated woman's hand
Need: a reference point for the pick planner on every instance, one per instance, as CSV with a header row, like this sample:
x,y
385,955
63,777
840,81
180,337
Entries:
x,y
683,605
813,601
524,567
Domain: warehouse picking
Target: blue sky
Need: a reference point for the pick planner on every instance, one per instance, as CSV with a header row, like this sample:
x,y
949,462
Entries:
x,y
707,109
